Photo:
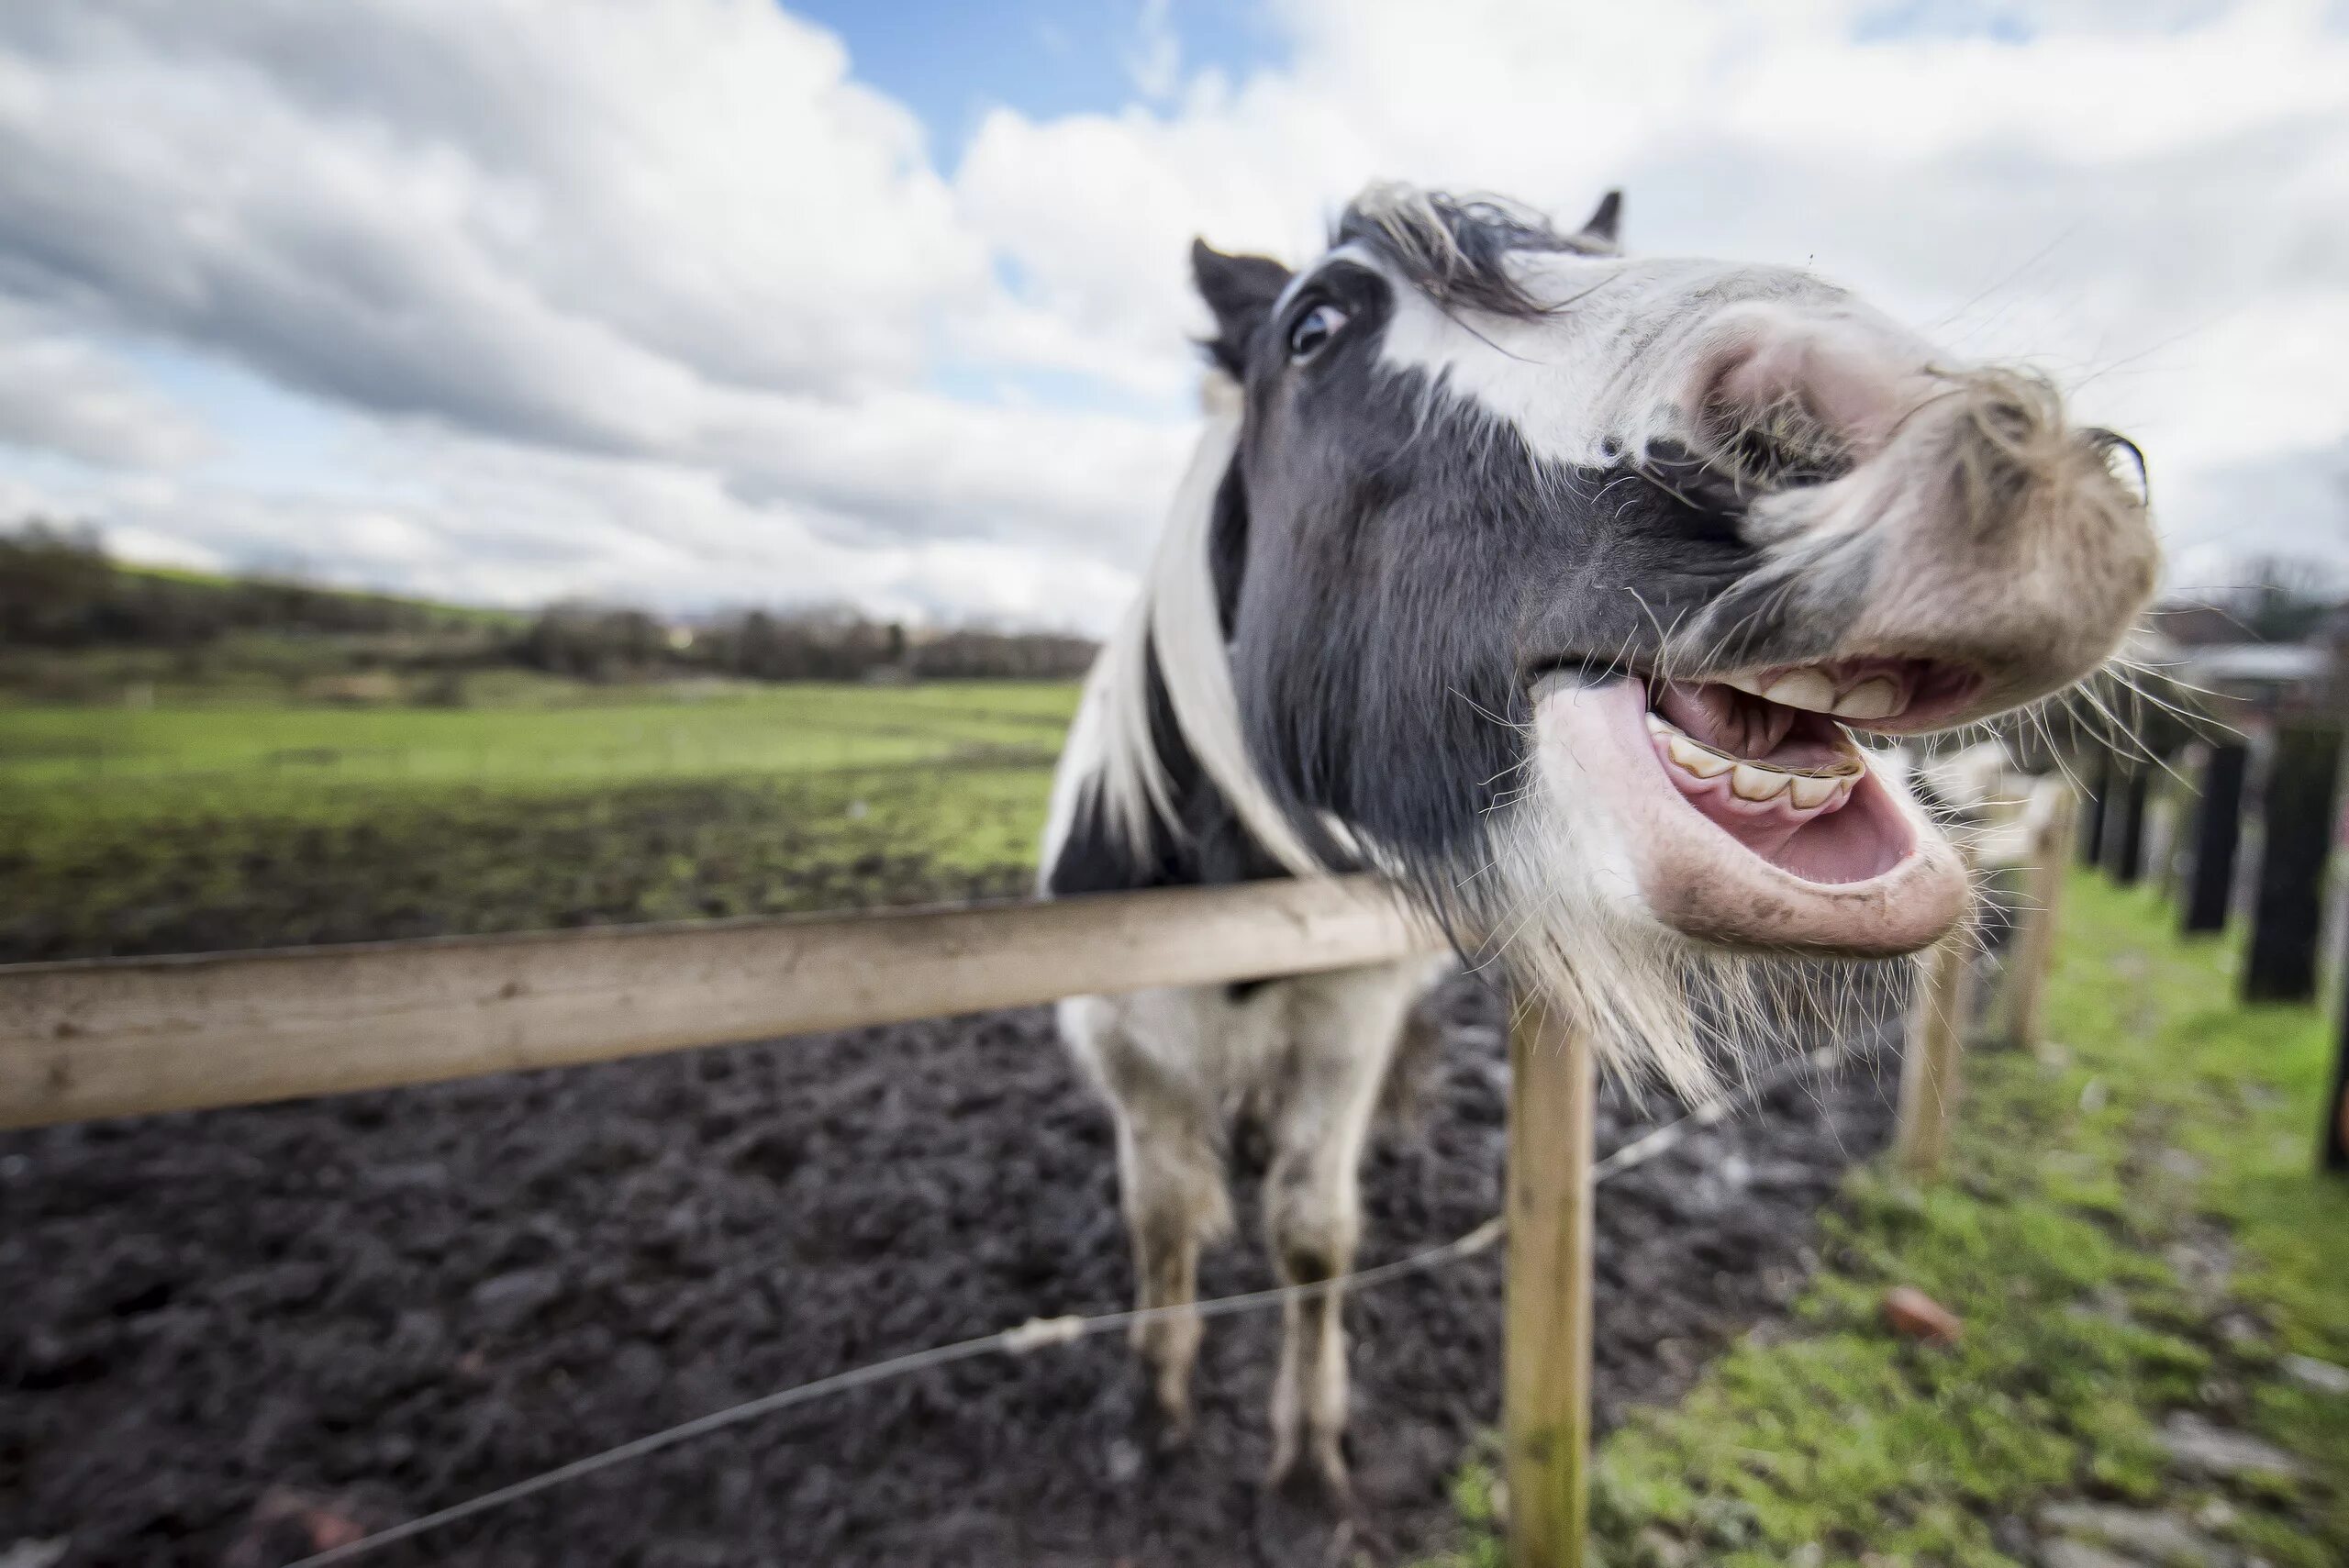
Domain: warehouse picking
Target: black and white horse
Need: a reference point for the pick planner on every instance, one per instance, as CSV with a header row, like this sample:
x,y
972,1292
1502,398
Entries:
x,y
1550,585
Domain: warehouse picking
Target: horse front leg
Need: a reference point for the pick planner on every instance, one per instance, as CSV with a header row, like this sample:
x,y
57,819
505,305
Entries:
x,y
1345,1031
1174,1204
1146,1052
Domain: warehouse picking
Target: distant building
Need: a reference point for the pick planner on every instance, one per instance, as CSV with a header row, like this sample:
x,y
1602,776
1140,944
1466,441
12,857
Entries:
x,y
2269,677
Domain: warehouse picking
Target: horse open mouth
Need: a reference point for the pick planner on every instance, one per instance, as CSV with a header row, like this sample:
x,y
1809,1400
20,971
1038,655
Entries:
x,y
1748,813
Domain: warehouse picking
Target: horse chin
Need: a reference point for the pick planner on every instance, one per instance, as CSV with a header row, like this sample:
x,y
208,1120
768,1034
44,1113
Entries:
x,y
1873,878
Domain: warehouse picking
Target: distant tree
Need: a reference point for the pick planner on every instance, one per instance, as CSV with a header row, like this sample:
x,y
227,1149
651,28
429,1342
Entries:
x,y
54,582
593,642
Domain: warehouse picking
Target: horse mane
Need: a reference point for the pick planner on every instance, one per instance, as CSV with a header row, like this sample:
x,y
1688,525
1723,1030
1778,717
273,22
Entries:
x,y
1457,249
1175,618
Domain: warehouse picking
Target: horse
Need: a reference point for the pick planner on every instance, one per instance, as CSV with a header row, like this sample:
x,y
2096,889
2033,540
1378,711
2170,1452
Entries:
x,y
1557,588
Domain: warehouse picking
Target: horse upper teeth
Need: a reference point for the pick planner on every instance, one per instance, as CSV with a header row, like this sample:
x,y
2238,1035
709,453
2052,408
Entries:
x,y
1749,783
1877,698
1804,689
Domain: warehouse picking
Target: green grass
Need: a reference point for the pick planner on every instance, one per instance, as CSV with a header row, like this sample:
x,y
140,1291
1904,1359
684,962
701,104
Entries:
x,y
2171,1123
133,760
228,826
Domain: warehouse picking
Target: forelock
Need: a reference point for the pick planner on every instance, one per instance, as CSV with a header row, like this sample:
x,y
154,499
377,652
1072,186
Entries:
x,y
1455,250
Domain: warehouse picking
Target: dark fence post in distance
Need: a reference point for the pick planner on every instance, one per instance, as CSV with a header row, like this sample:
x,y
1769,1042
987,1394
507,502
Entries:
x,y
2124,838
2332,1138
2218,831
2297,813
2097,789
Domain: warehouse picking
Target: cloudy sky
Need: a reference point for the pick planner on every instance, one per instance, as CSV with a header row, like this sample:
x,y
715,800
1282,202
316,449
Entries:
x,y
708,302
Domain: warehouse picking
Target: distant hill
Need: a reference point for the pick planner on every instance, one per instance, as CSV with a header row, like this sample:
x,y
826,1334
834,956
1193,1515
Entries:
x,y
58,589
362,602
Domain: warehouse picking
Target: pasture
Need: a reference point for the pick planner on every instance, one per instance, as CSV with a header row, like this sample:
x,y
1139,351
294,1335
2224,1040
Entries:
x,y
209,825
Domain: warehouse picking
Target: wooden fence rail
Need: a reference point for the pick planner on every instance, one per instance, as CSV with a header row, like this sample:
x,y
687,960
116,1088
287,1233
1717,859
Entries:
x,y
121,1037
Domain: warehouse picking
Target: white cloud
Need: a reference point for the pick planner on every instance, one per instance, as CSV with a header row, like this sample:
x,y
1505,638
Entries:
x,y
660,301
59,393
2154,207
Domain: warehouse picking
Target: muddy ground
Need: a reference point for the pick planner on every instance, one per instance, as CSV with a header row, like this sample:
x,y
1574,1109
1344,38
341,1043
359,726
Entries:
x,y
397,1300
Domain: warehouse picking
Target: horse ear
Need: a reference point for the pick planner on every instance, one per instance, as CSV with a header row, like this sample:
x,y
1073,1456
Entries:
x,y
1240,290
1608,219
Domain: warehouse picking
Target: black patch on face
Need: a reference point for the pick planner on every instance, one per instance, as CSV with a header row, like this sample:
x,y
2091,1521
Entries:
x,y
1228,548
1411,567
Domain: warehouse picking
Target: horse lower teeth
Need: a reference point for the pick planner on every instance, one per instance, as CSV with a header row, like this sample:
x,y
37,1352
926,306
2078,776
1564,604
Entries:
x,y
1750,782
1808,793
1754,781
1697,760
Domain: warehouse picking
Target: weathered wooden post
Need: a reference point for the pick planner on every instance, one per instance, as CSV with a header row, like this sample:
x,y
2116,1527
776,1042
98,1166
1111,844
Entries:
x,y
2218,831
1928,1071
2124,829
2295,841
2166,812
2050,812
1545,1400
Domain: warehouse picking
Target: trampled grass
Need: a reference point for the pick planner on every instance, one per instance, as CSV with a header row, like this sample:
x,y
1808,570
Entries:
x,y
2129,1228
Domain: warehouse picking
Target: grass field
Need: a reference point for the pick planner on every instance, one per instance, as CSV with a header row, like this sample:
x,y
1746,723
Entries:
x,y
2131,1230
239,824
99,756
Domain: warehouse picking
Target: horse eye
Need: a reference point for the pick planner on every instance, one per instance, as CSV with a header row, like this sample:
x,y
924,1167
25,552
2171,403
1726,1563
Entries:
x,y
1313,331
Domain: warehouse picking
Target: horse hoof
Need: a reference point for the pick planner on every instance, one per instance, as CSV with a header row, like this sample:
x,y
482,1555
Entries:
x,y
1327,1474
1174,1434
1330,1465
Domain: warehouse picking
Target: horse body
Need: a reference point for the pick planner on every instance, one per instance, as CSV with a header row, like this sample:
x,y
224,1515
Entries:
x,y
1550,585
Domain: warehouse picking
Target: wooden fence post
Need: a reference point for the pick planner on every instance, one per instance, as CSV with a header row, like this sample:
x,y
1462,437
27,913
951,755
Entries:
x,y
1545,1401
1928,1070
2124,834
2333,1134
2165,813
2092,810
2218,831
2295,841
2053,808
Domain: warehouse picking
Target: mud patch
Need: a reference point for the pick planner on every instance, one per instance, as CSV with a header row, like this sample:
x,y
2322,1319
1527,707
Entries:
x,y
402,1299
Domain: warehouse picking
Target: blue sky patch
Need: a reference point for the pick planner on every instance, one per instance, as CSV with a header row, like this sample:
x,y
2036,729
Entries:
x,y
951,63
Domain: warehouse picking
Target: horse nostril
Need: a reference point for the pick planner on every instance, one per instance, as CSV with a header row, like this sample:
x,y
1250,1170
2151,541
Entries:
x,y
1763,412
1786,448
